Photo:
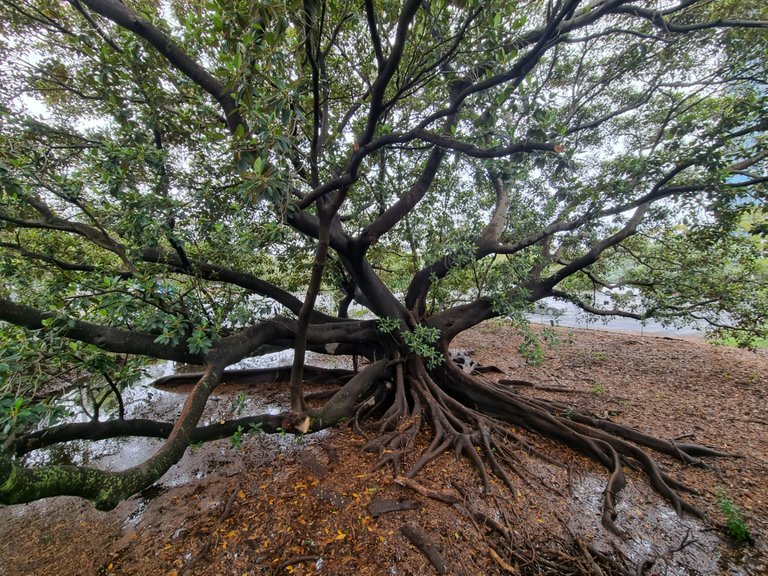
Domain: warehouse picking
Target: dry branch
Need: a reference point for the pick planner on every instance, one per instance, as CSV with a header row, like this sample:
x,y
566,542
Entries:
x,y
419,539
446,496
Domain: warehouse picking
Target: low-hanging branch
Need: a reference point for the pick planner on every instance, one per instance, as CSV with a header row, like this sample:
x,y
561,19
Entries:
x,y
105,489
105,337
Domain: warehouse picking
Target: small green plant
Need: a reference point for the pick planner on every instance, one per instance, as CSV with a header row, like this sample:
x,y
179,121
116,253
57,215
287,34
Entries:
x,y
18,415
387,325
240,402
598,356
568,412
237,438
256,427
746,341
597,389
421,340
734,519
500,322
530,349
200,341
550,337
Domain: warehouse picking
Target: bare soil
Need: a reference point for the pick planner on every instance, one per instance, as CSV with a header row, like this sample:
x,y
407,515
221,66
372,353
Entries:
x,y
315,506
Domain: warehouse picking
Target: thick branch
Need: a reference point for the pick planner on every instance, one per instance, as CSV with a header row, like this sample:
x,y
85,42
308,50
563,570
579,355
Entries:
x,y
97,234
594,310
408,12
456,320
656,17
125,16
492,231
227,275
268,423
476,152
345,400
61,264
594,253
106,489
104,337
370,14
302,323
404,204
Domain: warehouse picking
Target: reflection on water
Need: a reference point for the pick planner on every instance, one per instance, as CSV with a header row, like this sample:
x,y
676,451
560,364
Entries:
x,y
142,400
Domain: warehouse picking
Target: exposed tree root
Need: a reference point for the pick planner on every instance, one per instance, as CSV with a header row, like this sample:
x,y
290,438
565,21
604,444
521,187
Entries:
x,y
469,416
472,417
523,554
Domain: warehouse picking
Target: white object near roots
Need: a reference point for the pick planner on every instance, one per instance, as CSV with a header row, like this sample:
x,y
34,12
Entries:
x,y
462,359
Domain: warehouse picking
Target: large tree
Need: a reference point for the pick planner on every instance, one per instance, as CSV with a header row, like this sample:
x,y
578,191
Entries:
x,y
174,172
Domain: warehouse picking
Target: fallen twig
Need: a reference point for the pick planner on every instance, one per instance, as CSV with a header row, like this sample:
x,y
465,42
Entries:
x,y
500,561
441,495
419,539
228,507
379,507
297,560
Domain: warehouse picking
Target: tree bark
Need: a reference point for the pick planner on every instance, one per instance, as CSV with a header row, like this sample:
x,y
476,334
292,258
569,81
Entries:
x,y
106,489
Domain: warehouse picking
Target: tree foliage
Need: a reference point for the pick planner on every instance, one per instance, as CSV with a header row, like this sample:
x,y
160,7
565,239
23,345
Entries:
x,y
172,173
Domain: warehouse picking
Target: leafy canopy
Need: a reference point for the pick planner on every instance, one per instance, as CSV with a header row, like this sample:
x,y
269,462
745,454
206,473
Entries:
x,y
167,167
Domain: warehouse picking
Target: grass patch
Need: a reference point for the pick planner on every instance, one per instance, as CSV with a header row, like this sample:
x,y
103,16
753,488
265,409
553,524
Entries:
x,y
755,344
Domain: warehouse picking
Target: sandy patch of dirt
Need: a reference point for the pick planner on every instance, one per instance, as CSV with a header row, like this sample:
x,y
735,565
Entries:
x,y
315,506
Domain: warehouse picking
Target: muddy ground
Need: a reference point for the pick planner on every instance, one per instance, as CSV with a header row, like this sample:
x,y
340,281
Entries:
x,y
280,505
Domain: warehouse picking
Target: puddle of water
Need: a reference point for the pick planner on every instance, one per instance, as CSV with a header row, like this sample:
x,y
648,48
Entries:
x,y
656,530
142,400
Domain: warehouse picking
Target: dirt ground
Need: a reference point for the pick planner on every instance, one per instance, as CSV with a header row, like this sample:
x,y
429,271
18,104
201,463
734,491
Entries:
x,y
280,505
